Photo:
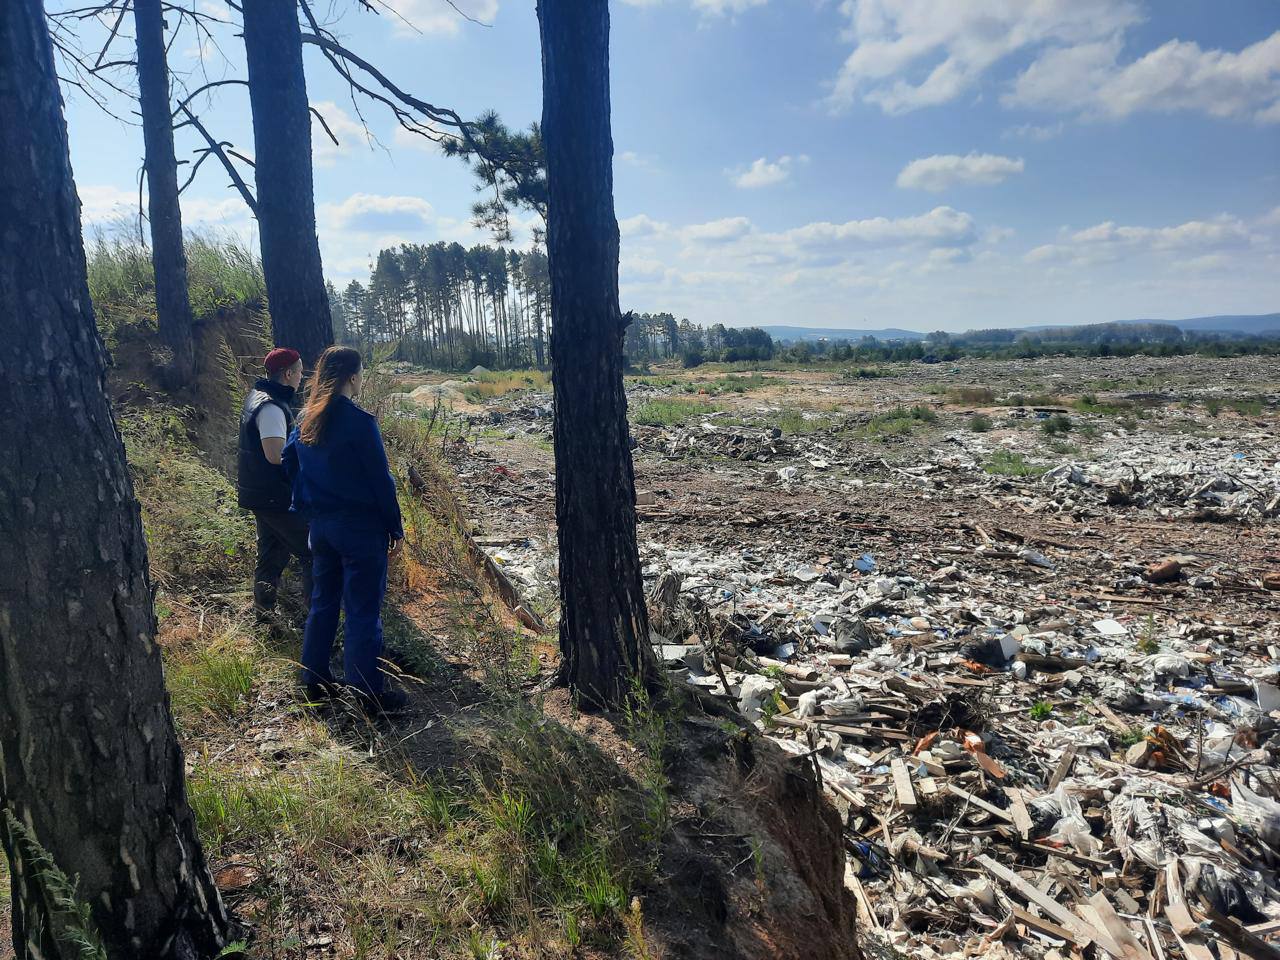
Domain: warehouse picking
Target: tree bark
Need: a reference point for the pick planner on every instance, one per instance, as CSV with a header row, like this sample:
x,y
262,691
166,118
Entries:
x,y
89,762
282,167
604,627
168,258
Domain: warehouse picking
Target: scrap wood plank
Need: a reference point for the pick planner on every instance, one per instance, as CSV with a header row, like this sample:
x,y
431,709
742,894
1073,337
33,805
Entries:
x,y
864,905
1063,769
1040,924
1081,934
1153,938
1232,932
902,784
980,803
1105,941
1175,910
1018,808
1194,948
1130,946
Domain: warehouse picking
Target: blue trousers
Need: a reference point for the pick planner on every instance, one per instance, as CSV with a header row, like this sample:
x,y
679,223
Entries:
x,y
349,572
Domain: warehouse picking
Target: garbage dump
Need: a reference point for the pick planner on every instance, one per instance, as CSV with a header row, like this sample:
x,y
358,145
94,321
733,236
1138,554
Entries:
x,y
1040,679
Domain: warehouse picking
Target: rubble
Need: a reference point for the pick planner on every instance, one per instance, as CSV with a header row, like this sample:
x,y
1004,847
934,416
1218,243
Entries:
x,y
1047,703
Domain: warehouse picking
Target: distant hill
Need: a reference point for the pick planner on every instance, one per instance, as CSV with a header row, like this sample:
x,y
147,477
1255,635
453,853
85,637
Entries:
x,y
1248,324
796,334
1241,324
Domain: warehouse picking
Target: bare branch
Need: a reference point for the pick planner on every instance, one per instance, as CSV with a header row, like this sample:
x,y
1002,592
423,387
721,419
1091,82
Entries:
x,y
185,102
115,29
217,148
316,113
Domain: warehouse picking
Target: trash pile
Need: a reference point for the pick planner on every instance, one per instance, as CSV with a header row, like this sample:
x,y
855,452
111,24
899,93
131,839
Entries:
x,y
1030,781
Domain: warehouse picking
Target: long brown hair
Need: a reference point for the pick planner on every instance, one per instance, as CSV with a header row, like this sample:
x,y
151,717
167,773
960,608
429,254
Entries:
x,y
337,365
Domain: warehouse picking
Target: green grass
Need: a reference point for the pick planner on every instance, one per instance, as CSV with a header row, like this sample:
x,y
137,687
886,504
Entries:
x,y
1040,710
221,272
216,682
793,421
898,422
668,412
1058,423
1006,463
979,423
195,530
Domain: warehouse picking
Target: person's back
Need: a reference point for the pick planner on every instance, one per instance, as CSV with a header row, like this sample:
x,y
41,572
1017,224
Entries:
x,y
344,476
343,485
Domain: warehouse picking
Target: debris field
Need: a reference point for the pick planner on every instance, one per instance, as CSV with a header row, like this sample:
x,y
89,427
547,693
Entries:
x,y
1019,616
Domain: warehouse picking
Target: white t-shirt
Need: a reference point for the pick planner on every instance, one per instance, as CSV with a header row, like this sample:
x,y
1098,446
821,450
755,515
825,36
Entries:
x,y
271,422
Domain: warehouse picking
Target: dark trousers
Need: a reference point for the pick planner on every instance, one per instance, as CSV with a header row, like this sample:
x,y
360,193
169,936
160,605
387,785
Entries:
x,y
350,574
282,535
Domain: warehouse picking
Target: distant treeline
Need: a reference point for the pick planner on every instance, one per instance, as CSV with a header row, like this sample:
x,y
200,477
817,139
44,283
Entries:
x,y
448,306
453,307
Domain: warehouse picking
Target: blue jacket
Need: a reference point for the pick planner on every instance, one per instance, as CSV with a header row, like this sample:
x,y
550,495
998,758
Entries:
x,y
346,476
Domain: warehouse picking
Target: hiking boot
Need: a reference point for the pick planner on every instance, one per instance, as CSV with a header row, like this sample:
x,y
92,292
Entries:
x,y
321,692
264,596
388,703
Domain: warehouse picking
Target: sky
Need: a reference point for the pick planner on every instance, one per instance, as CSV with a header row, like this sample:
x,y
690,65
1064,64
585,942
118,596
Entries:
x,y
929,164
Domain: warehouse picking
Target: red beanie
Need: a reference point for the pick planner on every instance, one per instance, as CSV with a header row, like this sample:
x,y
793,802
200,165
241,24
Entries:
x,y
281,358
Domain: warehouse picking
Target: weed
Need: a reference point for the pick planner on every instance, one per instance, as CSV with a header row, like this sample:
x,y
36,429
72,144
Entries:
x,y
792,421
1247,406
1006,463
665,413
1040,710
974,396
486,386
1213,406
1133,735
217,682
898,422
980,423
1058,423
1148,642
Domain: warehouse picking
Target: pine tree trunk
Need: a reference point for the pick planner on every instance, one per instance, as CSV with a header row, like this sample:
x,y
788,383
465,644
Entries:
x,y
168,258
286,194
604,627
89,763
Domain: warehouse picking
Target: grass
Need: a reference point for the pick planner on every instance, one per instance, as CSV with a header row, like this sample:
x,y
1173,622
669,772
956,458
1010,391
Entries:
x,y
1056,424
973,396
898,422
1031,400
221,272
980,423
668,412
195,530
486,386
532,842
792,421
1006,463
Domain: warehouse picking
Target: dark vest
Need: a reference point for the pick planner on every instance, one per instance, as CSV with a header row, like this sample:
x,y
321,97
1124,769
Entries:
x,y
261,484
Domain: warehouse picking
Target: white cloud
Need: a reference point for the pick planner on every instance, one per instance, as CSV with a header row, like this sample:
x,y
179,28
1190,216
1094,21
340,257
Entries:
x,y
372,213
349,132
100,203
941,226
1108,241
916,53
1176,76
1037,133
718,231
447,17
641,225
764,173
943,171
709,8
642,161
400,137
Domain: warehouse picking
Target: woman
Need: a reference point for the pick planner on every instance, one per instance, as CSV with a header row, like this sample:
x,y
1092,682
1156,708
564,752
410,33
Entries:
x,y
342,484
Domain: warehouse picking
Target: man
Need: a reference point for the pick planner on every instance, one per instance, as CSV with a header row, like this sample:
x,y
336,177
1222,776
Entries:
x,y
265,421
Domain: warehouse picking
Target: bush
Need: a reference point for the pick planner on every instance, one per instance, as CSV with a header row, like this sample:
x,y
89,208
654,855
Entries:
x,y
691,359
662,413
1006,463
979,423
1058,423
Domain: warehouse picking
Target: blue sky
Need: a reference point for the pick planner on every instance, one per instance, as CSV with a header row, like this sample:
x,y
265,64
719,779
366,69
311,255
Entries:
x,y
933,164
